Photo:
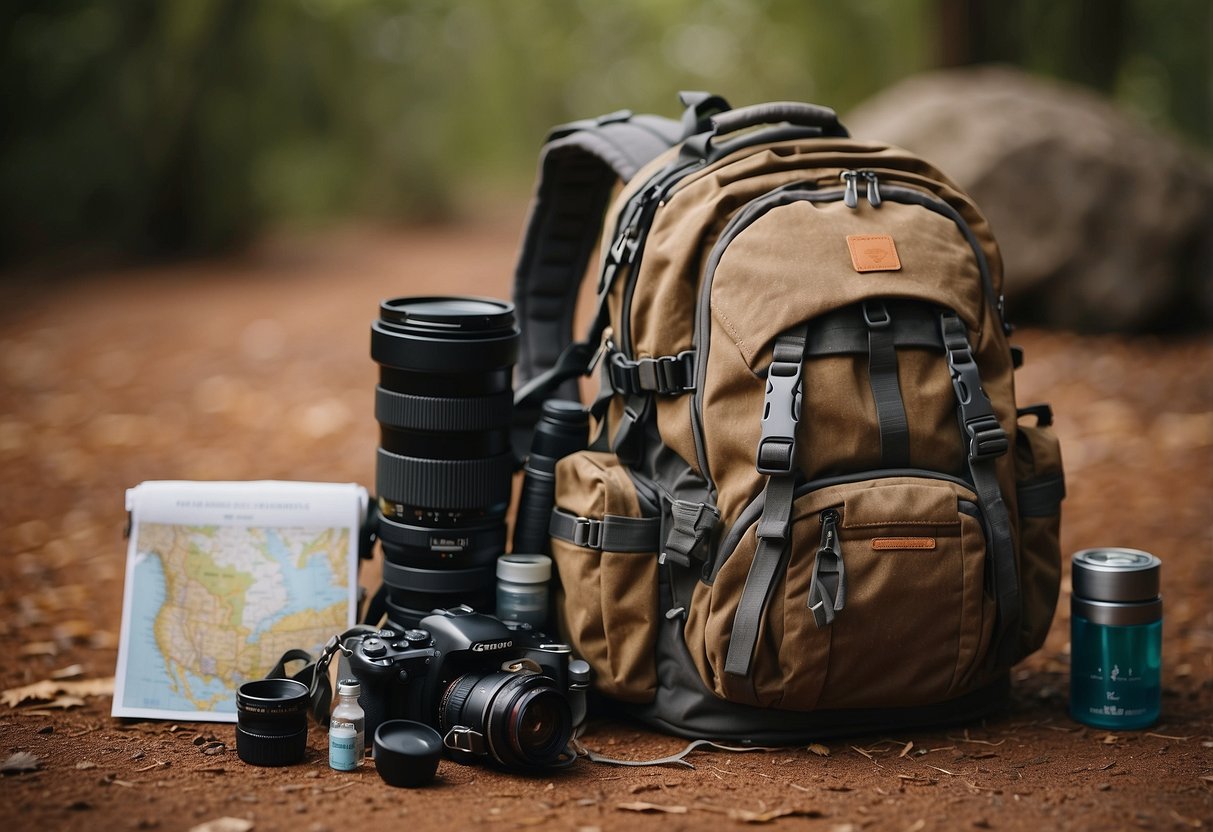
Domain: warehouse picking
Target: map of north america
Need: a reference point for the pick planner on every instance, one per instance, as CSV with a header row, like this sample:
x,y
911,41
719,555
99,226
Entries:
x,y
219,605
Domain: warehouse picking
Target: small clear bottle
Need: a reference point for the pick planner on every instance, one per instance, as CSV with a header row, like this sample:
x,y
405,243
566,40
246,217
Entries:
x,y
347,728
522,588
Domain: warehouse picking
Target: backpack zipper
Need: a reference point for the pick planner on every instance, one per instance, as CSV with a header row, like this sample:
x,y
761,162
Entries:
x,y
628,247
828,585
850,180
750,513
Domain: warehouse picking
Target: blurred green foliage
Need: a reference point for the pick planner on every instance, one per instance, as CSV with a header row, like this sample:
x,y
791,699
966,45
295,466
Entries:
x,y
147,127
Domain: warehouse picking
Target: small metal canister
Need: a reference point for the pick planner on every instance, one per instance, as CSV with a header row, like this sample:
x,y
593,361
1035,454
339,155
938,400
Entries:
x,y
1115,638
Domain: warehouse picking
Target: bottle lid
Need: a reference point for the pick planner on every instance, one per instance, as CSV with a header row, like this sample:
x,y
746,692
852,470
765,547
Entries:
x,y
1115,575
348,687
524,569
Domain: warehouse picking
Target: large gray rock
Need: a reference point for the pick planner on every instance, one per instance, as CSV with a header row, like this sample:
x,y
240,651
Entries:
x,y
1105,224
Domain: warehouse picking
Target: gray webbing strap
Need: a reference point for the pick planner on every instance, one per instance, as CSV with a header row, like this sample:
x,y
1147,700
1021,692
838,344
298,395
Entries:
x,y
773,530
613,533
986,442
579,167
776,458
845,332
886,390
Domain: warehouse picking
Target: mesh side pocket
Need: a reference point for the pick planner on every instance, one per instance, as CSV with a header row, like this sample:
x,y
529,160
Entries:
x,y
1040,487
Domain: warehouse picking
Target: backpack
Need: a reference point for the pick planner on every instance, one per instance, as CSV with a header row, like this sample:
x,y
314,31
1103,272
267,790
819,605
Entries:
x,y
810,506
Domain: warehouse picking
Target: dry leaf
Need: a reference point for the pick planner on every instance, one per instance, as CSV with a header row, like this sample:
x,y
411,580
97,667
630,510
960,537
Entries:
x,y
1183,820
819,749
917,826
224,825
746,816
83,765
20,761
640,806
69,672
1110,739
909,745
49,690
39,648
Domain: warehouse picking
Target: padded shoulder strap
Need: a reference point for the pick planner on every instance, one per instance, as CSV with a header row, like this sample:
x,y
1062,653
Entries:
x,y
579,166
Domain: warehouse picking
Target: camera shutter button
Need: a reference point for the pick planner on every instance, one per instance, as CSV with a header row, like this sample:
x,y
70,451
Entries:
x,y
417,638
373,648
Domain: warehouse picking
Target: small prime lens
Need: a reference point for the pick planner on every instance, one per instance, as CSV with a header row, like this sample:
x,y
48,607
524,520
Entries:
x,y
444,404
271,722
524,719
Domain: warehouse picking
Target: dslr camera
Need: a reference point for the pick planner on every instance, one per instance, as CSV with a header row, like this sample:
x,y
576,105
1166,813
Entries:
x,y
491,689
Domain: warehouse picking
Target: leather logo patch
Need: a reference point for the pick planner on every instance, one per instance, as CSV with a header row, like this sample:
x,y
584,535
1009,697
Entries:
x,y
880,543
873,253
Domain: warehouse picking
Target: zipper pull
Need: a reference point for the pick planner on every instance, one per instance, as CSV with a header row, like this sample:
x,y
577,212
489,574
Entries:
x,y
851,194
828,587
873,188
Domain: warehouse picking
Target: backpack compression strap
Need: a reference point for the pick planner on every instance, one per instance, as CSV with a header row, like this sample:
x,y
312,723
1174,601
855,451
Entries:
x,y
777,459
579,167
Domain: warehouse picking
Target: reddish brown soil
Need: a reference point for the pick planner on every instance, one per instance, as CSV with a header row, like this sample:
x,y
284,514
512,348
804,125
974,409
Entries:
x,y
259,368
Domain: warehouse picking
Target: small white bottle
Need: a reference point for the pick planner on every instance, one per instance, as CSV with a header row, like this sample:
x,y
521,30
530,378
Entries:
x,y
347,728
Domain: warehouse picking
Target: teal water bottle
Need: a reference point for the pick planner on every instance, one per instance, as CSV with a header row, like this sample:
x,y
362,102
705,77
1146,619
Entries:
x,y
1115,638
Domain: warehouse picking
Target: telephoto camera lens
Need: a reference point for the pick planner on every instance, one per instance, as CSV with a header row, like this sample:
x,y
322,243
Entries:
x,y
444,404
524,720
562,429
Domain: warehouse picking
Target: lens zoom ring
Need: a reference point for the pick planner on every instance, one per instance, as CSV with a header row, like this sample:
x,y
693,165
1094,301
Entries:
x,y
444,483
443,413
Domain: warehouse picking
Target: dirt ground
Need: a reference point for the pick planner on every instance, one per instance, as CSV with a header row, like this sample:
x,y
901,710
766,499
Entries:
x,y
258,367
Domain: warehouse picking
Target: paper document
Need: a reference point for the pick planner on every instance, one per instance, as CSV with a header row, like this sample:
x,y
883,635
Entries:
x,y
222,578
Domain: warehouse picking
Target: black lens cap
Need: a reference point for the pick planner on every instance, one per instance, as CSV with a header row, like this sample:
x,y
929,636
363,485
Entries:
x,y
448,314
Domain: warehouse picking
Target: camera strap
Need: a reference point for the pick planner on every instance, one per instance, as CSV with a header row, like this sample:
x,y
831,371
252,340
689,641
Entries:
x,y
315,672
678,759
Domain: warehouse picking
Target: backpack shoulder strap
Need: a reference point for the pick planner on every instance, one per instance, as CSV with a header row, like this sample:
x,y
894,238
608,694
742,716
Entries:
x,y
579,166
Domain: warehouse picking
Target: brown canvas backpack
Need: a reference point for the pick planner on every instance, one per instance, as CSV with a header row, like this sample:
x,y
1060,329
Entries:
x,y
811,506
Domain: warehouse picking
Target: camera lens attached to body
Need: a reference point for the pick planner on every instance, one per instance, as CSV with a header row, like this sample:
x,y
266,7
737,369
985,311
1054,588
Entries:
x,y
518,718
271,722
444,404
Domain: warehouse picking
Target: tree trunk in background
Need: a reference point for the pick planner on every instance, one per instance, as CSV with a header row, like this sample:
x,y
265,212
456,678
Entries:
x,y
1080,41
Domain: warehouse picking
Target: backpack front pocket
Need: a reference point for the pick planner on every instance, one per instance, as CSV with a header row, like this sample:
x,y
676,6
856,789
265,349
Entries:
x,y
900,564
604,543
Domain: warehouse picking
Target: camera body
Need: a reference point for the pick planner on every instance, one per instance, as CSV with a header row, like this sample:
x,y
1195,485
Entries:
x,y
490,688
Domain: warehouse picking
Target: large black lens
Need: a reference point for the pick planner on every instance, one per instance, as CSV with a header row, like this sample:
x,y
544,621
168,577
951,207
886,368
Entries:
x,y
524,719
444,406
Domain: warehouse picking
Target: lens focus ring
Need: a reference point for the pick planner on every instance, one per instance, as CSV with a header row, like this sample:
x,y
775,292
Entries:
x,y
444,483
443,413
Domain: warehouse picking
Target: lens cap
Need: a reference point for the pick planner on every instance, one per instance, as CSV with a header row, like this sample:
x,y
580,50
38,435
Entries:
x,y
445,334
449,314
406,752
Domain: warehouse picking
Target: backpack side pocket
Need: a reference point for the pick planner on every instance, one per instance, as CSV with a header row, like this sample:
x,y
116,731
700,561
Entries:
x,y
604,543
1040,486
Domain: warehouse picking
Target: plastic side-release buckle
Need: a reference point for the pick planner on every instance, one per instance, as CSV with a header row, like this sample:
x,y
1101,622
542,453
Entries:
x,y
780,415
692,522
986,436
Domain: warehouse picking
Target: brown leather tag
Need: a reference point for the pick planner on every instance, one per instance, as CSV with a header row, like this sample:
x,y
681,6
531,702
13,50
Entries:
x,y
903,543
873,253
